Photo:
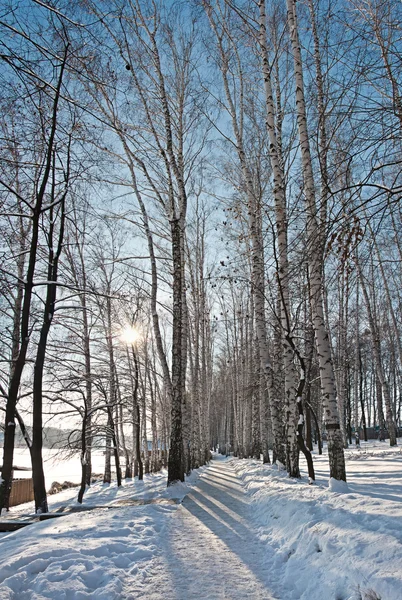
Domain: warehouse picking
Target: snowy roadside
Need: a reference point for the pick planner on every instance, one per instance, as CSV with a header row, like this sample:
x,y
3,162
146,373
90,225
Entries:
x,y
103,554
317,544
327,545
153,486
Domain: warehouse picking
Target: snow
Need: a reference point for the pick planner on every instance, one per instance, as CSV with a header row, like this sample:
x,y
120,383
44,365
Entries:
x,y
341,487
58,466
336,542
235,529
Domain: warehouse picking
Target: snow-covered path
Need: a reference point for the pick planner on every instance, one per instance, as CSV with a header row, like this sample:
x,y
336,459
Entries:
x,y
243,531
210,550
202,549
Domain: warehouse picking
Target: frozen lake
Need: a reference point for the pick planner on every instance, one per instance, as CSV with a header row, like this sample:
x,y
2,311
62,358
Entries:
x,y
58,465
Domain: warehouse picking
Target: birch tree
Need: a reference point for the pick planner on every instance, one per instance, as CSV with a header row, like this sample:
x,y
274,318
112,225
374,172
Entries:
x,y
331,415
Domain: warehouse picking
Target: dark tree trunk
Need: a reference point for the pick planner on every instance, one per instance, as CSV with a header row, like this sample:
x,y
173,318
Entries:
x,y
317,429
88,399
84,464
138,466
12,397
175,462
107,475
361,398
113,436
38,475
309,439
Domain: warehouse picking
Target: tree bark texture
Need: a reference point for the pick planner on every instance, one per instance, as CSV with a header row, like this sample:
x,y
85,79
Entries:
x,y
315,266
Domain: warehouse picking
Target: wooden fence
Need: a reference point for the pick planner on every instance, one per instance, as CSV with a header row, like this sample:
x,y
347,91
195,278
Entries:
x,y
21,491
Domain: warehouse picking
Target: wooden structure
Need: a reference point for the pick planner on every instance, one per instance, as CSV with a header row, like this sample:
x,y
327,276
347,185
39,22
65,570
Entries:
x,y
21,489
7,526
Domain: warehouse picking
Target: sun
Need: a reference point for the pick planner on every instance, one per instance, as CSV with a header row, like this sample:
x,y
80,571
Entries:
x,y
130,335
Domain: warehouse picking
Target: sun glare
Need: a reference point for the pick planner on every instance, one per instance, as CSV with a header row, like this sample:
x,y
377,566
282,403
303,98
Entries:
x,y
130,335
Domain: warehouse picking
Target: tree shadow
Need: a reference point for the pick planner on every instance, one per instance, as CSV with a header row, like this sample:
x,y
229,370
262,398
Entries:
x,y
220,511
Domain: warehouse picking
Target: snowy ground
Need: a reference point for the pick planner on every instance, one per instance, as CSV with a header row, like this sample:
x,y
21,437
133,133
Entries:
x,y
243,530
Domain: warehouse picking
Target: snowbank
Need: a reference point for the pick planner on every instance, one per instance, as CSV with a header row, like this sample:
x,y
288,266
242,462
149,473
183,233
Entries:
x,y
317,542
104,553
332,542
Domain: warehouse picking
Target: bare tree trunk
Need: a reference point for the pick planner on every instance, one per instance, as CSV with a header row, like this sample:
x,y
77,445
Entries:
x,y
342,349
376,345
322,129
113,432
80,280
390,306
315,265
121,438
144,436
138,464
254,201
153,394
107,473
279,193
88,385
257,390
19,361
362,397
380,411
195,404
83,456
357,365
38,475
278,404
175,469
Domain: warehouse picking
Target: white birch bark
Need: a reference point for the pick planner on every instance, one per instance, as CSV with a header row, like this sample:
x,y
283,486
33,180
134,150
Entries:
x,y
279,193
357,364
254,211
342,335
194,356
315,266
322,129
154,428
